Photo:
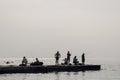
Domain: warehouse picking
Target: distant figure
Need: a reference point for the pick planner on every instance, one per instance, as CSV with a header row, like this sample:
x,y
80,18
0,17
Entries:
x,y
83,58
65,61
7,62
75,60
68,57
36,63
24,61
57,56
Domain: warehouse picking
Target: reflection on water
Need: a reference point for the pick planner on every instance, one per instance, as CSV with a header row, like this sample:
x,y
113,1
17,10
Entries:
x,y
83,75
75,73
57,76
24,77
68,73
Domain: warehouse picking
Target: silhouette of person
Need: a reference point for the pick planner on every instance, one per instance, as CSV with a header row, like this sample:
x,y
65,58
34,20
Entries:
x,y
83,58
68,57
37,61
57,56
65,61
24,61
75,60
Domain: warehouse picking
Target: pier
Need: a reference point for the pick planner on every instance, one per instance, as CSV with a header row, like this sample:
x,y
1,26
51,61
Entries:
x,y
48,68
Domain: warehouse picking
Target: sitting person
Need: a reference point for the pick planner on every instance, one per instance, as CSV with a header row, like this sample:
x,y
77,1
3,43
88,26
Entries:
x,y
75,60
37,62
65,61
24,61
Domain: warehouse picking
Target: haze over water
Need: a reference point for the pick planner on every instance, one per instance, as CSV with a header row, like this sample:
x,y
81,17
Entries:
x,y
40,28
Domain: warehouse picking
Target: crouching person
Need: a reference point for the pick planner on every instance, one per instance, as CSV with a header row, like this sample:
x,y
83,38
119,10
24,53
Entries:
x,y
75,60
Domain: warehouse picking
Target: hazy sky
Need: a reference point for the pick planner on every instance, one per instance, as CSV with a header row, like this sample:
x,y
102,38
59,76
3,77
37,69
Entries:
x,y
38,28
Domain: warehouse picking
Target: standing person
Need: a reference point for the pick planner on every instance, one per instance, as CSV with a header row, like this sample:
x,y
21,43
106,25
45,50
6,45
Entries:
x,y
24,61
83,58
68,57
57,56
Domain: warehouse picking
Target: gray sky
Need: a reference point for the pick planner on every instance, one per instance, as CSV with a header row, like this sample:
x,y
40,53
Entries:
x,y
38,28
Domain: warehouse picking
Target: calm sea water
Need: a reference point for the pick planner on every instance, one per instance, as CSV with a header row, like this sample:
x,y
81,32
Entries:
x,y
110,71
